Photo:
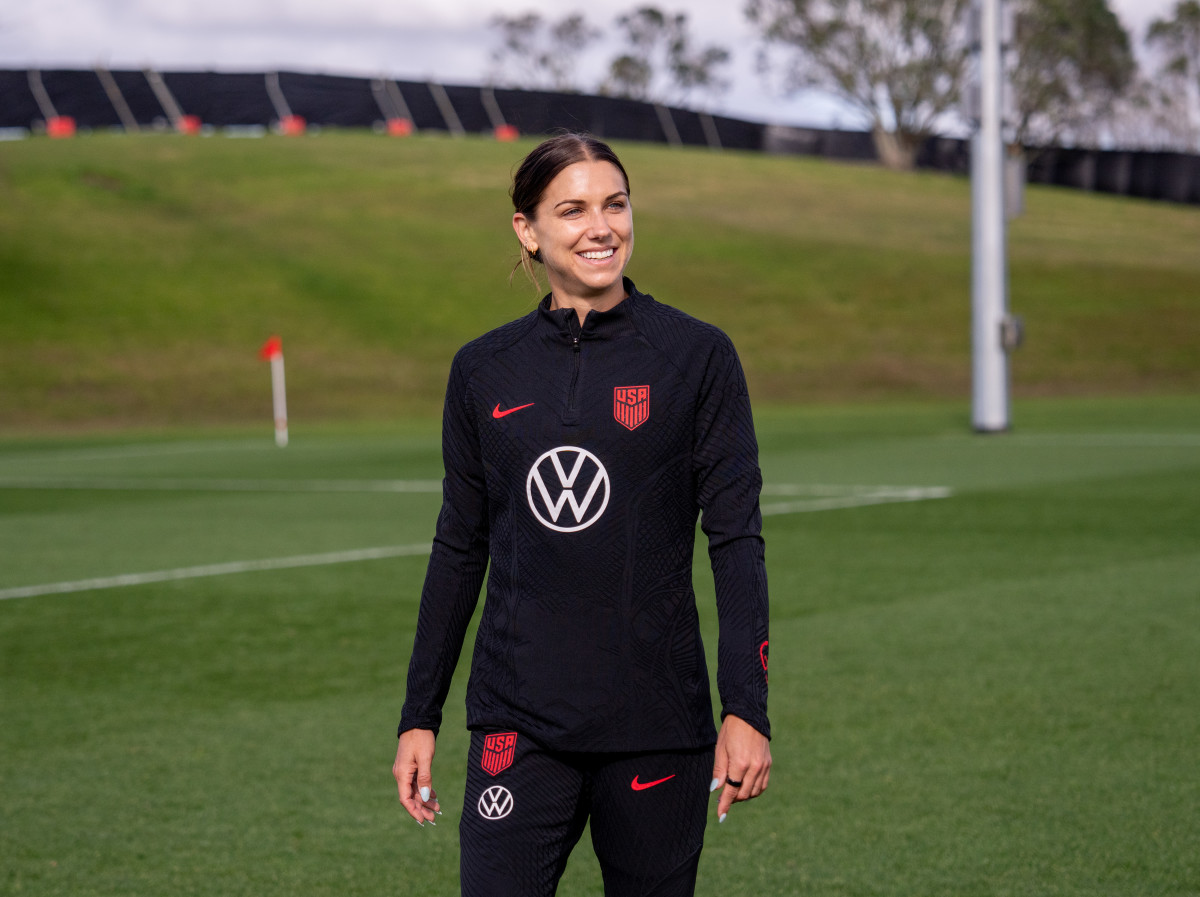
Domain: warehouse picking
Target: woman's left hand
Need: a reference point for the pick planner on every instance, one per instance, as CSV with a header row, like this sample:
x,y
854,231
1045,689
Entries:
x,y
743,763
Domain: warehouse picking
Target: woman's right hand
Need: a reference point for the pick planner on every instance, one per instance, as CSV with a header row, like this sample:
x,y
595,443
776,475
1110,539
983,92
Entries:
x,y
414,778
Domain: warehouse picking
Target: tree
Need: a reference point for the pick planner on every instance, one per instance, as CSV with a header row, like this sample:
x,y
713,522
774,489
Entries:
x,y
1073,61
535,53
660,63
1149,116
900,63
1178,40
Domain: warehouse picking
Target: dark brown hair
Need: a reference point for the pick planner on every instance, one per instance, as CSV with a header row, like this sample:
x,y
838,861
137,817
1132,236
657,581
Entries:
x,y
542,165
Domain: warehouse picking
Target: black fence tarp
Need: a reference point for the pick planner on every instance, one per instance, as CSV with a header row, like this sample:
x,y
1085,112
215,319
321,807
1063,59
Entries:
x,y
18,109
140,98
1171,176
329,99
223,99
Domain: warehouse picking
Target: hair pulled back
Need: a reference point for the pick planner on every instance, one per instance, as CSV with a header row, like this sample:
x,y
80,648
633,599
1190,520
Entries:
x,y
543,165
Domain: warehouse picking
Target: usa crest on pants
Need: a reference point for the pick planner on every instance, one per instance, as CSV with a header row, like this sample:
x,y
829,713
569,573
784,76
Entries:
x,y
498,752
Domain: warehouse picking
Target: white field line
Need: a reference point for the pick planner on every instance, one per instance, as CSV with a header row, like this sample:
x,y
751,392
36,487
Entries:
x,y
829,498
835,489
137,579
818,497
146,450
1103,440
197,484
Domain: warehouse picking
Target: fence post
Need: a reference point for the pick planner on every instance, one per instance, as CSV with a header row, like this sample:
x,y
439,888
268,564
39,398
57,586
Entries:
x,y
453,125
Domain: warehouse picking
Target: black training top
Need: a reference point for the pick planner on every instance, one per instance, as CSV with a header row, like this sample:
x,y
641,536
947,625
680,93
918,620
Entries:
x,y
578,459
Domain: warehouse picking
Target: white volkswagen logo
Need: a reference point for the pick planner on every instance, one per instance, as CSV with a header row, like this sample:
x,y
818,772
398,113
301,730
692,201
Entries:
x,y
495,803
548,509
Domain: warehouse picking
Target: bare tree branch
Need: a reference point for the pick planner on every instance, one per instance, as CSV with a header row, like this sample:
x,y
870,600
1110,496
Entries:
x,y
537,54
899,63
659,62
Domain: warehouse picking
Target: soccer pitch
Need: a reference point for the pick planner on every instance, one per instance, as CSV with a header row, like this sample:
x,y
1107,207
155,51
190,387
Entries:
x,y
984,678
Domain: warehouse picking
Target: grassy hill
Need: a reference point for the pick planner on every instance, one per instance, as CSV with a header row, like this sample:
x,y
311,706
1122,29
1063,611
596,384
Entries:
x,y
139,275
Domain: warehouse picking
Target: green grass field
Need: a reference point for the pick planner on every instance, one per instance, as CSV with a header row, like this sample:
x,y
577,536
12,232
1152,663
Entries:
x,y
984,668
994,692
139,275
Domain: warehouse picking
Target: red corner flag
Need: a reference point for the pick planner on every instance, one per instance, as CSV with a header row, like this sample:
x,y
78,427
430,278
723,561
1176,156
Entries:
x,y
272,351
271,348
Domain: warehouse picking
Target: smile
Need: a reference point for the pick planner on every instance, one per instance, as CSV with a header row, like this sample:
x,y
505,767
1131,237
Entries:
x,y
598,254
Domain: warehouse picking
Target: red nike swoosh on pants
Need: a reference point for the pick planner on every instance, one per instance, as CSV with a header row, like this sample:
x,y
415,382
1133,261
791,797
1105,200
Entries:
x,y
642,786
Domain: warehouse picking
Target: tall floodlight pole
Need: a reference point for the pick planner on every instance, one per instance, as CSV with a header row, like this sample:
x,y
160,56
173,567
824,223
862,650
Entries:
x,y
989,268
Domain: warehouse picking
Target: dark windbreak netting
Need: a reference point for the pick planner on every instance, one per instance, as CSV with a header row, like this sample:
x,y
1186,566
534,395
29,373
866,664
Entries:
x,y
223,99
139,97
419,99
1180,177
1148,175
945,154
330,99
689,127
468,105
738,134
18,109
81,96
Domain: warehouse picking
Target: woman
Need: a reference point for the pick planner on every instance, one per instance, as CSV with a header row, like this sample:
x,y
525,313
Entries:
x,y
580,442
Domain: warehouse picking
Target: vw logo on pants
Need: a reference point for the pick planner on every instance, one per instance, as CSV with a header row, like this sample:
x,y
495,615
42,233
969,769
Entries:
x,y
495,803
568,468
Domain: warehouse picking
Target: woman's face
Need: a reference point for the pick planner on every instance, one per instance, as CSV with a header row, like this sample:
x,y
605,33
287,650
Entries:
x,y
584,229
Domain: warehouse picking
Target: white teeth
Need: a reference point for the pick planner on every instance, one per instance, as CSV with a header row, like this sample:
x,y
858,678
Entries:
x,y
601,254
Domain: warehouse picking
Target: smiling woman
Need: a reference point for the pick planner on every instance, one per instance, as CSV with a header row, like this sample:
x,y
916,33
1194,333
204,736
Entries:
x,y
579,443
573,215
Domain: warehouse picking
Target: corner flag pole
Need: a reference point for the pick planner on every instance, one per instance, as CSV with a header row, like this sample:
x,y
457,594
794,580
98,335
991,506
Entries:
x,y
272,351
990,410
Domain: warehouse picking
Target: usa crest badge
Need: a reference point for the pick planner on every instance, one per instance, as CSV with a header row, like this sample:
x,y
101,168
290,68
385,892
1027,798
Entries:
x,y
631,405
498,752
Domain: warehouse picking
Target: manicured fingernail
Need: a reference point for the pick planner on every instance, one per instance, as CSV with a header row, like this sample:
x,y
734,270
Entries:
x,y
439,812
425,793
434,824
714,785
420,823
721,818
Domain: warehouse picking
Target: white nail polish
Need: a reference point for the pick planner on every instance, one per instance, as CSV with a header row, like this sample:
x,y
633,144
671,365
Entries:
x,y
721,818
425,793
714,785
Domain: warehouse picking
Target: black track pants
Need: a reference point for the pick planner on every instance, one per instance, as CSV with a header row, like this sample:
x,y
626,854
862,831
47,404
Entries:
x,y
525,809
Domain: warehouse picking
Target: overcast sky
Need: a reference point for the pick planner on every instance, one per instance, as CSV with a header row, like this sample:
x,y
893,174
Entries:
x,y
446,40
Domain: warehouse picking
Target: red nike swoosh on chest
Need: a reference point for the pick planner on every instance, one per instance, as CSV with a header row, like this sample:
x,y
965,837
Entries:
x,y
642,786
497,413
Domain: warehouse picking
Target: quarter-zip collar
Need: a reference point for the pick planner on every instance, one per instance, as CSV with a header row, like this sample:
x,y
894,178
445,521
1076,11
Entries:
x,y
597,324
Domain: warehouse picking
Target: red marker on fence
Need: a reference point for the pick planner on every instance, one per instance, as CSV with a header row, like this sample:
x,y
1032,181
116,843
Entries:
x,y
272,351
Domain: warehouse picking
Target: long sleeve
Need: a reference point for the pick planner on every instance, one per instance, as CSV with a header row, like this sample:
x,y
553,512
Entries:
x,y
457,563
728,483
